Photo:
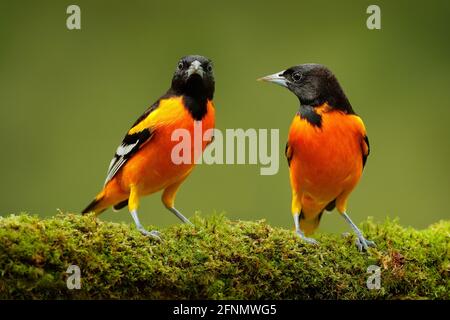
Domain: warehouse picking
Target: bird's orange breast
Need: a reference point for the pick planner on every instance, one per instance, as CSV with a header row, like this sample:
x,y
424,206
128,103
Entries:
x,y
326,161
152,168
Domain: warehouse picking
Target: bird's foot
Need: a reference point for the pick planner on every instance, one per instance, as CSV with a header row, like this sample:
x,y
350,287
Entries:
x,y
154,234
306,239
364,244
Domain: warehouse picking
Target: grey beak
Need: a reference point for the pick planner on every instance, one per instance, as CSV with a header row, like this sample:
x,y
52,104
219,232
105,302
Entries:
x,y
275,78
195,68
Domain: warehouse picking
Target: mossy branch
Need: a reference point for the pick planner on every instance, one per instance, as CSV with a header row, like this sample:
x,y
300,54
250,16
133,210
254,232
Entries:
x,y
216,259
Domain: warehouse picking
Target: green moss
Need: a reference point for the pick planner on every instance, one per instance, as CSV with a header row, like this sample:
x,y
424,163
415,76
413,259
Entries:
x,y
216,259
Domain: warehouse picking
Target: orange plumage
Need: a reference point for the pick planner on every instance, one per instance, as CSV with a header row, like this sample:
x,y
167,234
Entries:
x,y
326,163
151,169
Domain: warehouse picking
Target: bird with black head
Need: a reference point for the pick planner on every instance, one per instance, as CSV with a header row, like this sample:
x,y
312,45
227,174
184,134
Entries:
x,y
327,148
143,164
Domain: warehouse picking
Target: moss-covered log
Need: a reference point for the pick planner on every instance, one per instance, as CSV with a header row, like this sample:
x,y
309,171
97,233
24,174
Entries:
x,y
216,259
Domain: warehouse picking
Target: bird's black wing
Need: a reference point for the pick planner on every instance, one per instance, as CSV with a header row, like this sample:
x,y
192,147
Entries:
x,y
365,151
131,143
288,153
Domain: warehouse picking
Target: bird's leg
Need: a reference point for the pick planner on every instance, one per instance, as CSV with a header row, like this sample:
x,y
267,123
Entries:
x,y
361,242
153,234
168,198
300,233
133,204
179,215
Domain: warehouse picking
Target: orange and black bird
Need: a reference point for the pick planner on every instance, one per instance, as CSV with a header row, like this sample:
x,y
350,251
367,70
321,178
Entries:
x,y
143,162
327,148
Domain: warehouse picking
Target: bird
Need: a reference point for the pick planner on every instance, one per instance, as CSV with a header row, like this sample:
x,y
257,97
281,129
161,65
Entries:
x,y
327,148
143,163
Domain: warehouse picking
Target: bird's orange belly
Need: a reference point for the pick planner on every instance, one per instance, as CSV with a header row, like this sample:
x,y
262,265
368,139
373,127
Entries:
x,y
326,163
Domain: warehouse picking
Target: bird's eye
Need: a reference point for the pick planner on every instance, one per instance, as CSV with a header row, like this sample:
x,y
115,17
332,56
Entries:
x,y
209,68
180,66
296,76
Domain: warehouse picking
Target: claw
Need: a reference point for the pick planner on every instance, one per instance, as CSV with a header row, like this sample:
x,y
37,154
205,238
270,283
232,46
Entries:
x,y
306,239
371,243
152,234
364,244
361,242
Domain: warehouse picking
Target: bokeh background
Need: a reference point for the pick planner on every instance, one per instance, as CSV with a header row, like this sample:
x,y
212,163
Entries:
x,y
68,97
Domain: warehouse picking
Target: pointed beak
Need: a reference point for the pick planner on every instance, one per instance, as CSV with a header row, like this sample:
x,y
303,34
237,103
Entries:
x,y
195,68
275,78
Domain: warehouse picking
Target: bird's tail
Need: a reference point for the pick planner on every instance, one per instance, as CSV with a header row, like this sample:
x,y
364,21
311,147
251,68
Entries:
x,y
96,205
308,226
111,195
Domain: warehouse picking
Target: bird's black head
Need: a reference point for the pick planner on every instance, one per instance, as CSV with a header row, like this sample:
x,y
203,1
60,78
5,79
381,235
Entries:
x,y
194,77
314,85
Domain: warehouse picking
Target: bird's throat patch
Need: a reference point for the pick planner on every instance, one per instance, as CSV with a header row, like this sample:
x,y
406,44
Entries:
x,y
197,106
309,114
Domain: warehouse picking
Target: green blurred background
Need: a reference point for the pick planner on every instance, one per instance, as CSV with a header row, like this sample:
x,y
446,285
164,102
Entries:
x,y
68,97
